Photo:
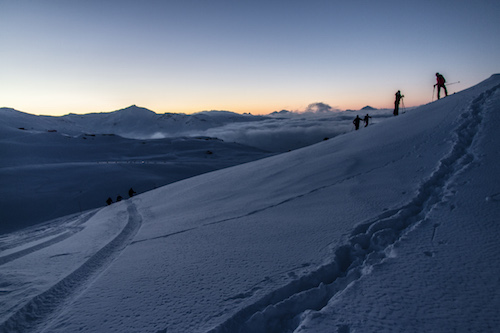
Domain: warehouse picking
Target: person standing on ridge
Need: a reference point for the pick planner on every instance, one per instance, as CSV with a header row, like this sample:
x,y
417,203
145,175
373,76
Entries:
x,y
396,102
366,119
440,84
356,122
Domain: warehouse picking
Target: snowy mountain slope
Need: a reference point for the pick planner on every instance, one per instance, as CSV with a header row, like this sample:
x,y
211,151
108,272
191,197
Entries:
x,y
130,122
442,275
278,132
48,175
44,157
380,230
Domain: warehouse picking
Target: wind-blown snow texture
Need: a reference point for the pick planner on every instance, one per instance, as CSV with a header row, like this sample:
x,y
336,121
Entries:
x,y
388,229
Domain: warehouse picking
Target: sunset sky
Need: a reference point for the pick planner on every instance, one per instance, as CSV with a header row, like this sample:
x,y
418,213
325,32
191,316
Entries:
x,y
69,56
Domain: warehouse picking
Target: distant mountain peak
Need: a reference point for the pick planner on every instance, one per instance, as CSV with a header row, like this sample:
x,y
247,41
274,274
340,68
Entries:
x,y
369,108
134,111
134,108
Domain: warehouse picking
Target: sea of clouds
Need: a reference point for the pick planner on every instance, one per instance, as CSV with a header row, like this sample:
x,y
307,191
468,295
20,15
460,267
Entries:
x,y
288,130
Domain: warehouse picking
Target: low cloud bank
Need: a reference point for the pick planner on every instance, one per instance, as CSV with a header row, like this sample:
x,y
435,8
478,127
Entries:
x,y
279,135
288,130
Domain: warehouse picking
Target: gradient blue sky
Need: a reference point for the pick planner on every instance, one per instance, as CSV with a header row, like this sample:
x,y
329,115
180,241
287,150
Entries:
x,y
72,56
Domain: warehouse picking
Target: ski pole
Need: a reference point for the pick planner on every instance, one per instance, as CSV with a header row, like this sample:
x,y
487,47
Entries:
x,y
433,91
449,84
403,104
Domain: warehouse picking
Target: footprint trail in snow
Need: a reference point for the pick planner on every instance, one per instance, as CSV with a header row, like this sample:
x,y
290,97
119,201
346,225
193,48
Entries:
x,y
39,311
369,244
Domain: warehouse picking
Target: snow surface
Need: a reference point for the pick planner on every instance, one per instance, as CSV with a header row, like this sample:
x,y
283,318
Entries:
x,y
55,166
392,228
46,175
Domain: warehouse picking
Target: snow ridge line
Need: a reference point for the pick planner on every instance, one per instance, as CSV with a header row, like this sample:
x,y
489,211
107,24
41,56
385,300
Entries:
x,y
370,244
35,314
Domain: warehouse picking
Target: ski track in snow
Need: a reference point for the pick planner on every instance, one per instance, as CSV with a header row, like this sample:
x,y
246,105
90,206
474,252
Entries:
x,y
41,309
66,234
369,244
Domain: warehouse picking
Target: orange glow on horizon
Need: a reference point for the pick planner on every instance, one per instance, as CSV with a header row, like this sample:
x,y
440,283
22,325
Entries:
x,y
60,109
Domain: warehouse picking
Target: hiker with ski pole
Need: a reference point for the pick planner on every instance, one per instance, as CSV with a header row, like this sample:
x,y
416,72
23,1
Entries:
x,y
440,84
399,98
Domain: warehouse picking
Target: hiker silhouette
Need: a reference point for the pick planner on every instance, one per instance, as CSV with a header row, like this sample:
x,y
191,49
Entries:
x,y
440,84
397,101
131,192
356,122
366,119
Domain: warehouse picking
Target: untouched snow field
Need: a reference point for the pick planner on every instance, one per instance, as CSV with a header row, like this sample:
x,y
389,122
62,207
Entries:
x,y
392,228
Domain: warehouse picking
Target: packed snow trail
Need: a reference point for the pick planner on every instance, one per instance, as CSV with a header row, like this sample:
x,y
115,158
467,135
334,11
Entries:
x,y
370,244
37,313
59,236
